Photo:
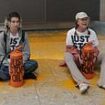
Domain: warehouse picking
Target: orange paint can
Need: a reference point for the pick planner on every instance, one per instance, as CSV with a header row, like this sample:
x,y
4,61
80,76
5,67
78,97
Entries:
x,y
16,69
88,61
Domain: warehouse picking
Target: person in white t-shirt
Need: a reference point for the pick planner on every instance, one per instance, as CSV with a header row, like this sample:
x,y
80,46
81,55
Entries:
x,y
76,38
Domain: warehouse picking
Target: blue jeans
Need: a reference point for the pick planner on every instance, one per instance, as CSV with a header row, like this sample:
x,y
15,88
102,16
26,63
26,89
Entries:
x,y
29,67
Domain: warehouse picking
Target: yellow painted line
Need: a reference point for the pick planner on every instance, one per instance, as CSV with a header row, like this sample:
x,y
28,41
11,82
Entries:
x,y
68,84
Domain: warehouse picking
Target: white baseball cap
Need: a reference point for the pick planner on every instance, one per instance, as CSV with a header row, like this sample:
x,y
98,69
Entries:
x,y
81,15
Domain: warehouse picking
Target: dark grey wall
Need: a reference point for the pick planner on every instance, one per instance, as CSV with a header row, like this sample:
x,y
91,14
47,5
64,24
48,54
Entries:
x,y
65,10
49,10
30,10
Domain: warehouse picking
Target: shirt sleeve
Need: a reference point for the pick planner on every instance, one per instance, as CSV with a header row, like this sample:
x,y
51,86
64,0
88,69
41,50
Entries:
x,y
69,39
3,56
26,49
94,39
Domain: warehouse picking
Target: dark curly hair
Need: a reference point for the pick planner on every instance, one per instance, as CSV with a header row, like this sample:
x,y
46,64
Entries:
x,y
13,14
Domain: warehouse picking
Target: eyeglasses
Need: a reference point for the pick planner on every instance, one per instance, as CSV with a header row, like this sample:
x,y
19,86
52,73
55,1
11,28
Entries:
x,y
84,19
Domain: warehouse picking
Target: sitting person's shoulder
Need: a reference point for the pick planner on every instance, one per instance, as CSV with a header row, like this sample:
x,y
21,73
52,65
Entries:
x,y
92,31
72,30
2,33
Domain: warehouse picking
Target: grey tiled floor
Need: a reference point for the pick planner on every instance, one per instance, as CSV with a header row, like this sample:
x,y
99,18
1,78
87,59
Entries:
x,y
50,89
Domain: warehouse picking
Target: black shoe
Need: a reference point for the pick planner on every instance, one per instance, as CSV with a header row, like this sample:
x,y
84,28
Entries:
x,y
30,76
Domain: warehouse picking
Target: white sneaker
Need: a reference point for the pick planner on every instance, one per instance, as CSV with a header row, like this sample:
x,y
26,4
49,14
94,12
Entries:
x,y
101,86
83,88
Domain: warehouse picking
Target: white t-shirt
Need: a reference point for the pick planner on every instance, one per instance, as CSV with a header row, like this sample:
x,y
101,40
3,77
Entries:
x,y
78,39
14,41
